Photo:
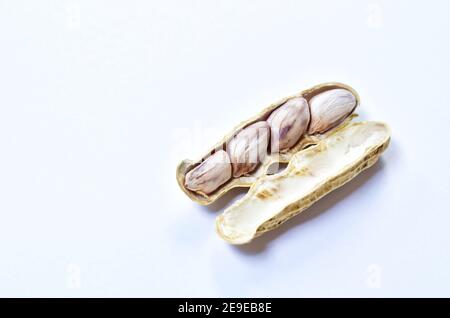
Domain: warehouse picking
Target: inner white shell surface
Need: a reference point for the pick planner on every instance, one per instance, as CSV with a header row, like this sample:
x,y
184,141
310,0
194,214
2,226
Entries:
x,y
307,171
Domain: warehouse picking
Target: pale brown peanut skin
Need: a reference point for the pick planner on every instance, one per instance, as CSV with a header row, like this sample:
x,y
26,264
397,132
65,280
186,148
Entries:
x,y
248,148
210,174
288,123
329,109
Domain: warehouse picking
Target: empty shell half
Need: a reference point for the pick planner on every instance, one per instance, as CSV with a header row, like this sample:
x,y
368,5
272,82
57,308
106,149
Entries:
x,y
311,174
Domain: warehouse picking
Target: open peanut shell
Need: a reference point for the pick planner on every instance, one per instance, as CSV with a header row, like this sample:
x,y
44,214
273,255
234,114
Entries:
x,y
248,180
311,174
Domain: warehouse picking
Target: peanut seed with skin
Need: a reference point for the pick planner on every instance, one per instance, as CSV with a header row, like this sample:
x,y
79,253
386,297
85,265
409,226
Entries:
x,y
210,174
288,123
248,148
329,109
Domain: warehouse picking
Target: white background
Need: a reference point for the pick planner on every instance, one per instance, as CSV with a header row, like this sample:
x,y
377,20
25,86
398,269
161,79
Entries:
x,y
99,100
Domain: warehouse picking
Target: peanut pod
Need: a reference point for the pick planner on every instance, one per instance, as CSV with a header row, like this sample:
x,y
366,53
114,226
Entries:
x,y
289,120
